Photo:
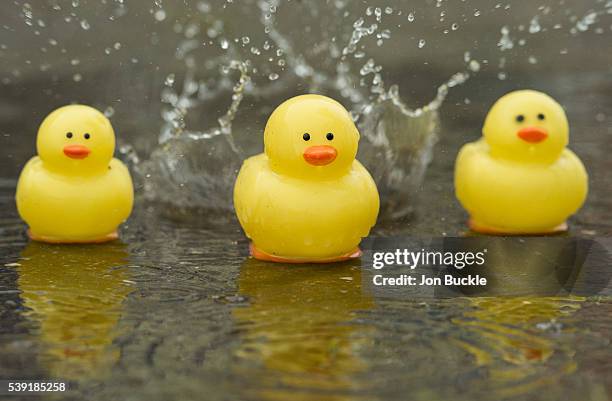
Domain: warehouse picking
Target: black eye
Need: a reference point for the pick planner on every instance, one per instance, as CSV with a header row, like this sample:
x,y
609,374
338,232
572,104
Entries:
x,y
87,136
69,135
520,118
541,117
329,136
306,136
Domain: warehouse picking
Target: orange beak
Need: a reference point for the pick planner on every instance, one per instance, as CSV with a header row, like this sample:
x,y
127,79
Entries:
x,y
76,151
533,134
320,155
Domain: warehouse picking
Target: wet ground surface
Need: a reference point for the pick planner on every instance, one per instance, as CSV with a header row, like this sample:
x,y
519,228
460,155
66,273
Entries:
x,y
178,311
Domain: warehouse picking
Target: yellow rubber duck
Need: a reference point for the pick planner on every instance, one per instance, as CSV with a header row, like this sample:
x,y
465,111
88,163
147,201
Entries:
x,y
306,199
520,178
74,191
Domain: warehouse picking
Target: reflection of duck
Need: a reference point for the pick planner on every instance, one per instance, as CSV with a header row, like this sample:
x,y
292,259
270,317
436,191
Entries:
x,y
75,294
306,199
74,191
508,337
520,178
298,325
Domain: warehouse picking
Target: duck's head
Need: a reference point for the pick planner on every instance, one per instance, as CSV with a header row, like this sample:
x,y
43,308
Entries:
x,y
311,136
76,139
526,125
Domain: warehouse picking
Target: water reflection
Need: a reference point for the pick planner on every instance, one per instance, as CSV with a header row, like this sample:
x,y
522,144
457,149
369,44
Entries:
x,y
519,340
299,325
74,294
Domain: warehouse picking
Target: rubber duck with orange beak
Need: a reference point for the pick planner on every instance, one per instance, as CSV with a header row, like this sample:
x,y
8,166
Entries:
x,y
74,191
520,177
306,199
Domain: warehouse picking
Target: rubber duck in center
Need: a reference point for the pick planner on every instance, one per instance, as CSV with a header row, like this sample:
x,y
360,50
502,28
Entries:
x,y
306,199
520,178
74,191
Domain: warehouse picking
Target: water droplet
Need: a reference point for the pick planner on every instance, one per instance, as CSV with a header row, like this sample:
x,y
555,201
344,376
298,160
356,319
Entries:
x,y
411,17
455,26
474,66
169,80
203,7
75,61
85,25
77,77
534,25
273,76
505,42
109,111
587,20
27,13
224,44
422,43
160,15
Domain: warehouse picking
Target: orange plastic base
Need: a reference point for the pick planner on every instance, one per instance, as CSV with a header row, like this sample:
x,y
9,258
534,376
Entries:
x,y
484,229
261,255
53,240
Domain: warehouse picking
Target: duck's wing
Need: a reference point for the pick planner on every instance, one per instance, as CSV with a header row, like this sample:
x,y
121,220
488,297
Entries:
x,y
370,192
468,168
575,177
123,187
27,179
246,189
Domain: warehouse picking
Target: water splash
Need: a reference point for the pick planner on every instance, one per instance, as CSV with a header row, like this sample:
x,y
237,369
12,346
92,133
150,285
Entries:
x,y
195,170
200,167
